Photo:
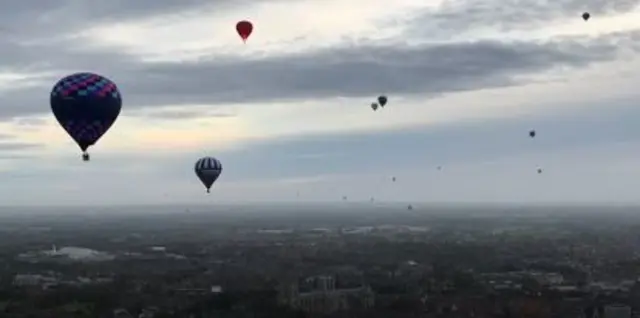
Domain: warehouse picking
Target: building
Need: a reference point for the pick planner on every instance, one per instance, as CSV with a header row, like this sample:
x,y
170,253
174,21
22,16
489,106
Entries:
x,y
69,253
547,278
122,313
33,280
325,298
617,311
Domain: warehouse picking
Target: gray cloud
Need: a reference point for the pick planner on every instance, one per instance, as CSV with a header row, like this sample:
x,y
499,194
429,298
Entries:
x,y
182,114
5,137
456,16
47,18
29,121
15,156
589,154
8,146
348,71
37,38
366,71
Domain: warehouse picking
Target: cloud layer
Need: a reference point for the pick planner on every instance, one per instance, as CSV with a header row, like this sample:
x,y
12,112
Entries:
x,y
347,70
464,65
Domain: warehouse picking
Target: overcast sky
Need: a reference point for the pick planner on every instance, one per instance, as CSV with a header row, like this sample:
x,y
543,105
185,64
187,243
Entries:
x,y
288,112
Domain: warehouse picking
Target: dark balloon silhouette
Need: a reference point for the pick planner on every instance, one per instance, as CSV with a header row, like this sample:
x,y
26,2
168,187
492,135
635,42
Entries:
x,y
244,28
86,105
539,170
374,106
208,169
382,100
532,133
586,16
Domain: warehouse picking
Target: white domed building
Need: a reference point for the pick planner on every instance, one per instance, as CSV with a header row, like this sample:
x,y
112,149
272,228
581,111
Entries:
x,y
70,253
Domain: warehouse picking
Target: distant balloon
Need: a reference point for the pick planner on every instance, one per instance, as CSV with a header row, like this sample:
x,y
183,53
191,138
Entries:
x,y
393,179
382,100
532,133
374,106
439,167
344,198
586,16
410,207
208,169
85,105
244,28
539,170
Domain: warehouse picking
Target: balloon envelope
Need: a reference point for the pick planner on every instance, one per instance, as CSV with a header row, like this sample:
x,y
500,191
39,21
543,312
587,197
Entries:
x,y
244,29
85,105
374,106
208,170
586,16
382,100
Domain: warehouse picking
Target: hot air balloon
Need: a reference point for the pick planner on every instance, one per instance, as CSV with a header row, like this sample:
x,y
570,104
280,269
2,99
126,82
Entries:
x,y
244,29
374,106
208,170
85,105
539,170
382,100
393,179
532,133
586,16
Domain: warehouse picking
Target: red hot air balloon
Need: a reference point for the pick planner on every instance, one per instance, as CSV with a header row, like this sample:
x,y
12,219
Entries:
x,y
244,29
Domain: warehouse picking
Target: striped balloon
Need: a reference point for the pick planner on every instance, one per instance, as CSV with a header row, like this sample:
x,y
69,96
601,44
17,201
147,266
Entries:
x,y
208,170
